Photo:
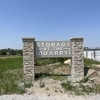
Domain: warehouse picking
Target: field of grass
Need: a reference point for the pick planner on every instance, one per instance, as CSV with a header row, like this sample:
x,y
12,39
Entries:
x,y
10,63
11,72
15,62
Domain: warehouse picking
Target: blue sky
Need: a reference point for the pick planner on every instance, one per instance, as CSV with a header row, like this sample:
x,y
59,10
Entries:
x,y
49,20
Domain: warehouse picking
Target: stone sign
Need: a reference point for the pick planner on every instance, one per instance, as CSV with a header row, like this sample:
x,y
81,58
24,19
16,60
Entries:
x,y
45,49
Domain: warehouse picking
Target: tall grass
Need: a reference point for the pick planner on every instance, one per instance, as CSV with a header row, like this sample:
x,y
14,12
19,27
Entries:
x,y
11,75
10,82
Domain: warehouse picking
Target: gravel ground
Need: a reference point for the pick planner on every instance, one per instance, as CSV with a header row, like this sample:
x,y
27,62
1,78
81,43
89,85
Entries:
x,y
51,97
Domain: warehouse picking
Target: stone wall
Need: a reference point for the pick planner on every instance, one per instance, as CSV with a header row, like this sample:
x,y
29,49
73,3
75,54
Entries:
x,y
77,68
28,59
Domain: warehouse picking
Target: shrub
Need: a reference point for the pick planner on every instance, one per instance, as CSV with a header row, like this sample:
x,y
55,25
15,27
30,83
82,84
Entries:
x,y
67,86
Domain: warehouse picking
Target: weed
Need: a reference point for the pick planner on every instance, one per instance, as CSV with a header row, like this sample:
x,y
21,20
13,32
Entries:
x,y
84,80
28,85
48,94
47,88
67,86
97,88
56,91
42,84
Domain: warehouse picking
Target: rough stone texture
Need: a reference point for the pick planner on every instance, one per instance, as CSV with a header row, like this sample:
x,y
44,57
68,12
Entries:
x,y
77,68
28,59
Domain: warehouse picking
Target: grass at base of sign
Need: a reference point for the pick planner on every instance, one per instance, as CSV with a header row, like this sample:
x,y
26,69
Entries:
x,y
11,75
10,82
89,62
81,89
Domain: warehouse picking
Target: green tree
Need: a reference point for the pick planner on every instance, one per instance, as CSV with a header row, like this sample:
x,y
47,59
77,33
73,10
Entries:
x,y
19,52
3,52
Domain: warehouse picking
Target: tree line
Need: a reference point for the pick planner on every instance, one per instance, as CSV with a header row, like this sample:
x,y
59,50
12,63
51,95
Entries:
x,y
10,51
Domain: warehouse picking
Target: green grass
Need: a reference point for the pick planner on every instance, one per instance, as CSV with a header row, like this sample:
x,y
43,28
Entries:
x,y
15,62
84,80
89,62
9,81
60,77
11,73
10,63
78,90
67,86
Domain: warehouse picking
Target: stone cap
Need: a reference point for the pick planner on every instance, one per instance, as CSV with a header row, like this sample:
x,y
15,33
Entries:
x,y
76,38
28,38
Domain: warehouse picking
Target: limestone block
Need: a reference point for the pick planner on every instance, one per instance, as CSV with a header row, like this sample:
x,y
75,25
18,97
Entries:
x,y
67,62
